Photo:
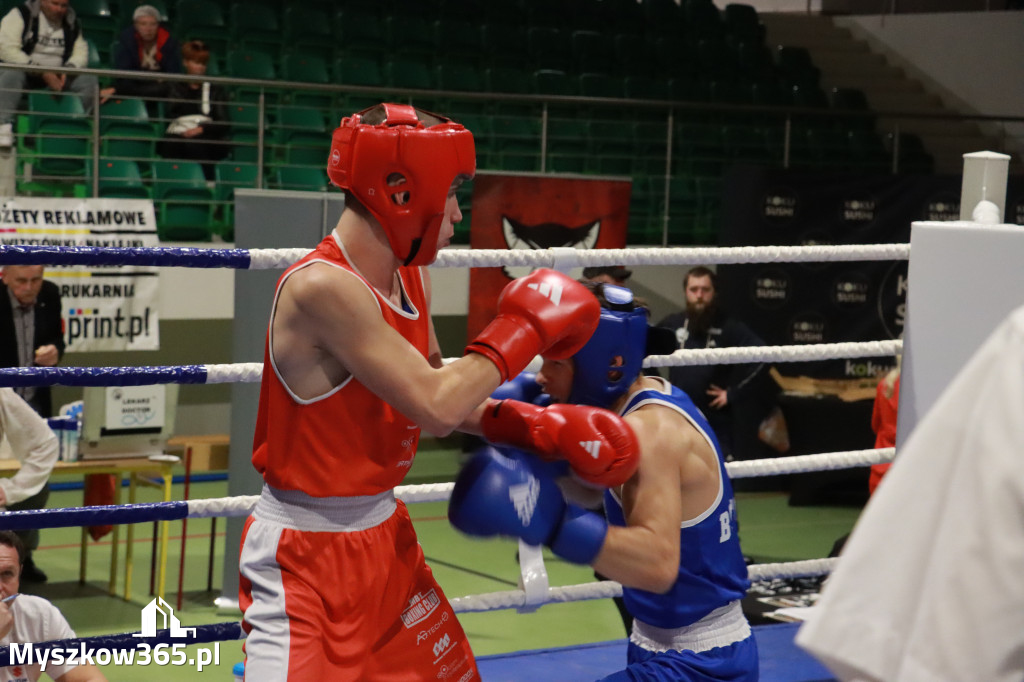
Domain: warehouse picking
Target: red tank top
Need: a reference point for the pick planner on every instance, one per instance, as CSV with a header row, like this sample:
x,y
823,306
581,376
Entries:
x,y
349,441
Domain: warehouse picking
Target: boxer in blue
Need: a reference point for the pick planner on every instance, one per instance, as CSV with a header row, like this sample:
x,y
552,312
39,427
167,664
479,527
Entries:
x,y
671,534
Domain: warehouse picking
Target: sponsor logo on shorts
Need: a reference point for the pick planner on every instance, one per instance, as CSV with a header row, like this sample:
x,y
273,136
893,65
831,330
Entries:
x,y
425,634
442,646
420,608
446,672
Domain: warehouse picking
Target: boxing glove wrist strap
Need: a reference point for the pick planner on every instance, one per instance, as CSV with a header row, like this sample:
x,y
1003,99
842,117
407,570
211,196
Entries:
x,y
580,536
508,344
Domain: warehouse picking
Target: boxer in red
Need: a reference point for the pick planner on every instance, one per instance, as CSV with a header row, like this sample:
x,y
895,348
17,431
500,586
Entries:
x,y
334,585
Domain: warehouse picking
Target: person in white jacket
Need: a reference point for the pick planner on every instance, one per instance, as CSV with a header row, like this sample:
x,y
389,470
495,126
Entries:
x,y
929,588
35,445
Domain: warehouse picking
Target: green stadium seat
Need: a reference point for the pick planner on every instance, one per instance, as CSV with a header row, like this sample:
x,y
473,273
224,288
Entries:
x,y
255,63
302,134
460,40
61,131
663,17
98,20
633,55
309,27
202,20
120,179
795,67
627,16
307,67
184,203
549,48
230,175
568,145
702,19
301,178
518,142
255,24
126,131
360,28
506,45
913,157
742,21
855,101
411,35
461,77
591,52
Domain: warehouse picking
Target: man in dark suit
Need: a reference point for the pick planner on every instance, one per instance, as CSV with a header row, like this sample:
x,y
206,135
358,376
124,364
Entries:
x,y
31,329
31,335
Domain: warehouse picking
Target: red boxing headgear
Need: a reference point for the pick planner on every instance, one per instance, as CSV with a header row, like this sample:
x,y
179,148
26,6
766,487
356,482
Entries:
x,y
402,170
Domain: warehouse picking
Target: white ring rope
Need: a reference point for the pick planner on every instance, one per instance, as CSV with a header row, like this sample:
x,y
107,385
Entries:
x,y
745,354
730,255
274,259
239,372
562,258
440,492
607,589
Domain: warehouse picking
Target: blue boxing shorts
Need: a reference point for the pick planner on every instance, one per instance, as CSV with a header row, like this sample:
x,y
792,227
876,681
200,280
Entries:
x,y
737,662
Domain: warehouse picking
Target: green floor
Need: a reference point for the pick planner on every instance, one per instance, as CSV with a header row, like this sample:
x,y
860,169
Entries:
x,y
770,531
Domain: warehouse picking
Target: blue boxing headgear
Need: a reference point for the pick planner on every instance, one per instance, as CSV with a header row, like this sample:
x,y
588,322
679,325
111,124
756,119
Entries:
x,y
614,355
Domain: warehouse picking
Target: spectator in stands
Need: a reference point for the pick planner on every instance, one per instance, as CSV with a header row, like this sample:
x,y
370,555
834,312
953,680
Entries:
x,y
146,46
735,398
198,115
31,327
43,33
33,619
35,446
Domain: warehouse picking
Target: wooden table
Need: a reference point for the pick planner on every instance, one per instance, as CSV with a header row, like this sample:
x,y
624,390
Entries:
x,y
140,470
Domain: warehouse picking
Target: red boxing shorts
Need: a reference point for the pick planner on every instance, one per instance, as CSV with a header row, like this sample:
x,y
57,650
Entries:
x,y
338,589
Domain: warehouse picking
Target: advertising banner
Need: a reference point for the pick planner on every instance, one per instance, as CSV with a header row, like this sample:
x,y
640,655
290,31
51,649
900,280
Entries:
x,y
106,308
813,303
533,211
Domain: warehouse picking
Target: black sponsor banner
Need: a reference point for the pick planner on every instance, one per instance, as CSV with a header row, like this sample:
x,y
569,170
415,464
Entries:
x,y
810,303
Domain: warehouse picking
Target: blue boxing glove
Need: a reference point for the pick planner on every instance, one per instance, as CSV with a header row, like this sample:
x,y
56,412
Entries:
x,y
523,387
495,495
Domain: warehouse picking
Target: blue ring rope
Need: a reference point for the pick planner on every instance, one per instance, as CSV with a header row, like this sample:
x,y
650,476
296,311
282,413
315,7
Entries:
x,y
98,515
102,376
215,632
168,256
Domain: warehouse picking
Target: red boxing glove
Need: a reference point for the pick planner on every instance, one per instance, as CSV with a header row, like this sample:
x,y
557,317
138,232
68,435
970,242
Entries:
x,y
543,312
600,447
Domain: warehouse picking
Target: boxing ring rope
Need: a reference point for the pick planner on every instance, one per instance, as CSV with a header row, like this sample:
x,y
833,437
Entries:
x,y
242,505
558,258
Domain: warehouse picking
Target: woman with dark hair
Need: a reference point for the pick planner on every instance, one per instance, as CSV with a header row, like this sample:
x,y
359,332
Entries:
x,y
198,116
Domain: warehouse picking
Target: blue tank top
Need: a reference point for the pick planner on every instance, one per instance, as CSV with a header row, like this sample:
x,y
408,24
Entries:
x,y
712,572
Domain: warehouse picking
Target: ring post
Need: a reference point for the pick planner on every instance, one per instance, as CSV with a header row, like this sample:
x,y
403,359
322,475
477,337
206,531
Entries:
x,y
984,179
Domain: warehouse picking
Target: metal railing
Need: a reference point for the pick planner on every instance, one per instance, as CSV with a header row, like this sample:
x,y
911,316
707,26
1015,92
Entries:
x,y
538,132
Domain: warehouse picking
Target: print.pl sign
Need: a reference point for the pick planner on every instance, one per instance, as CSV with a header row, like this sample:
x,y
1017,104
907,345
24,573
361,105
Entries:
x,y
105,307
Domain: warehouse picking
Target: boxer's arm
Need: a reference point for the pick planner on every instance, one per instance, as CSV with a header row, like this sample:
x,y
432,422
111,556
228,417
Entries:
x,y
645,553
332,310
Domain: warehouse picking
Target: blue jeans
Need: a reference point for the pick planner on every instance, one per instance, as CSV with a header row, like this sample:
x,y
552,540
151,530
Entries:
x,y
13,83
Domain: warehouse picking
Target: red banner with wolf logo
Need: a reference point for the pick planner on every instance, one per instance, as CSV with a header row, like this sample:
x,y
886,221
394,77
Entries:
x,y
532,211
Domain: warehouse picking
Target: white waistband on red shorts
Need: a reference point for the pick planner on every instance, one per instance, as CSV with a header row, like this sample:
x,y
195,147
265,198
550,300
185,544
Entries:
x,y
297,510
722,627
